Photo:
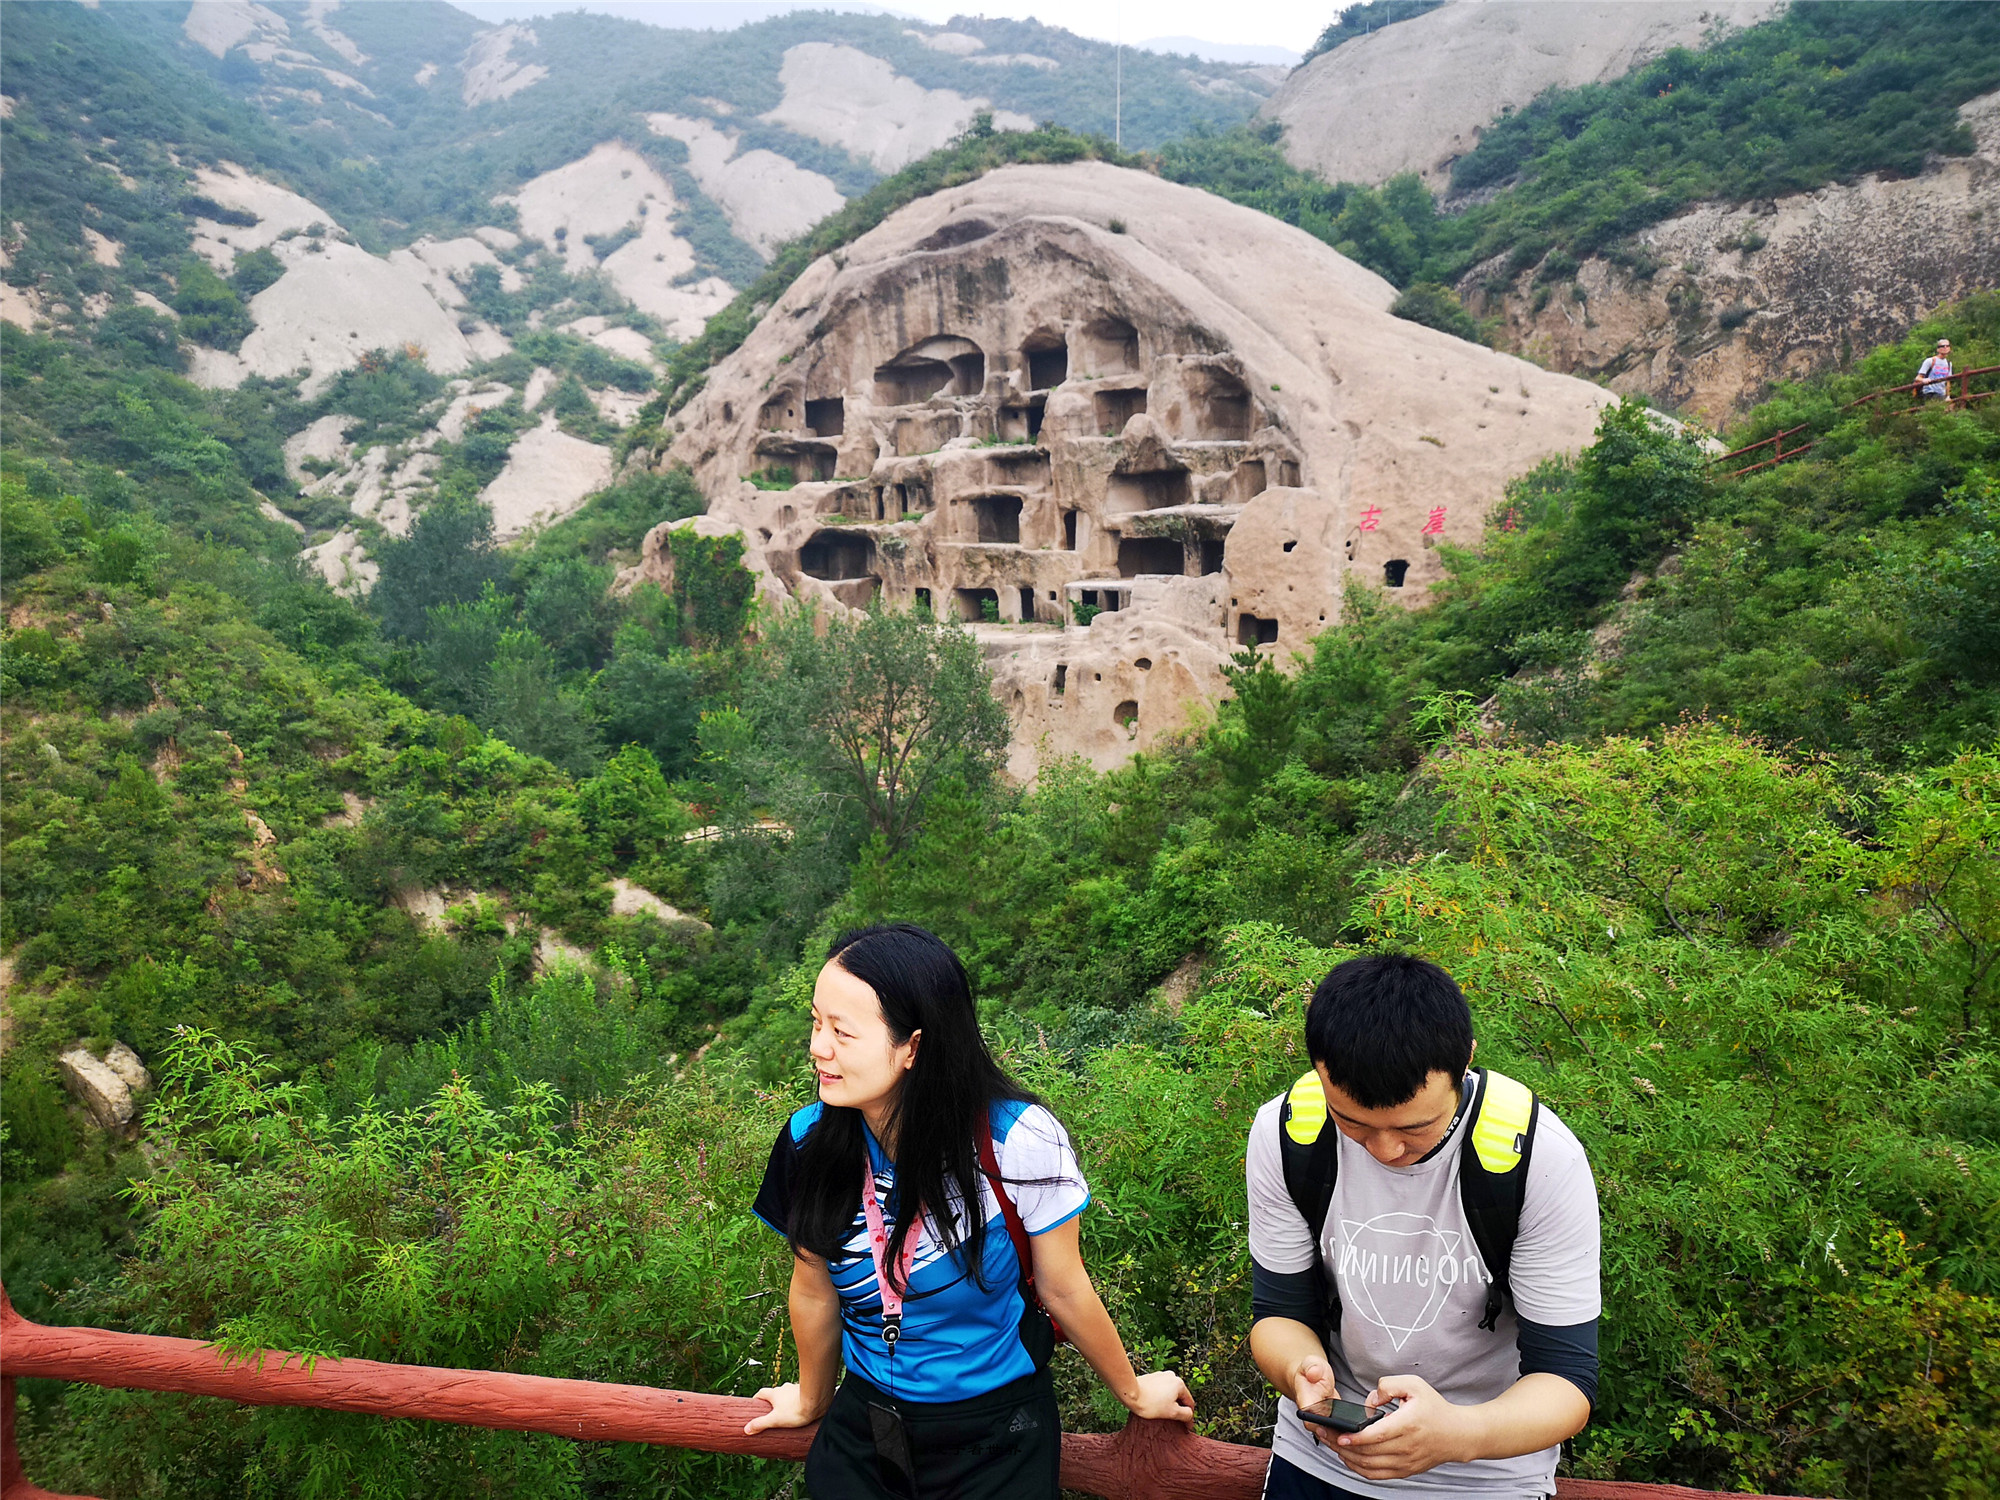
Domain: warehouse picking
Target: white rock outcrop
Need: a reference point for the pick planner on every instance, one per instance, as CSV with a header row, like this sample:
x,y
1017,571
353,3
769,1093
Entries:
x,y
489,70
548,475
610,192
629,900
335,301
851,99
279,212
344,563
443,265
339,41
334,305
766,197
1413,97
1192,432
109,1088
220,25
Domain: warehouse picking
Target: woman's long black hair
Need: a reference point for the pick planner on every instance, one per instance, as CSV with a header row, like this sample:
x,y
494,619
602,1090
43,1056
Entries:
x,y
947,1091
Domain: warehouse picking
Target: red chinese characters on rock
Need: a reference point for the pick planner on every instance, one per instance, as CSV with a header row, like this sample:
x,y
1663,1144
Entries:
x,y
1434,522
1371,518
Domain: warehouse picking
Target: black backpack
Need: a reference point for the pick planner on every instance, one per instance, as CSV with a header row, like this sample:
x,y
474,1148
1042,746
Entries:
x,y
1492,1175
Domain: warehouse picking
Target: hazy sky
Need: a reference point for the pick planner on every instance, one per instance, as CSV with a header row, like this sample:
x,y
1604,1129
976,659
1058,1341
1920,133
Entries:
x,y
1288,24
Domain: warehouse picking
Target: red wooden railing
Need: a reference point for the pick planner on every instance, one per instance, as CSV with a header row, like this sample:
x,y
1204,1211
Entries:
x,y
1780,454
1965,395
1146,1461
1775,442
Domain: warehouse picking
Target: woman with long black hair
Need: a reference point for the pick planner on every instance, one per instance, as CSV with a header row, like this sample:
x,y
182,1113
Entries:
x,y
943,1322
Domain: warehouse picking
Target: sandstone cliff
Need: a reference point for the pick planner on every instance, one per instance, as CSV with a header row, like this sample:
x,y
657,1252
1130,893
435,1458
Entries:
x,y
1413,97
1060,390
1727,298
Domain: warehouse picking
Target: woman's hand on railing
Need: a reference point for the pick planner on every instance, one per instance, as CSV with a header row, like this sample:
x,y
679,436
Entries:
x,y
788,1409
1162,1396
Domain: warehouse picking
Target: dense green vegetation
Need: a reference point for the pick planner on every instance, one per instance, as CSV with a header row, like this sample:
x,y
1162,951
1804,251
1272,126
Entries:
x,y
1749,954
1823,93
1695,785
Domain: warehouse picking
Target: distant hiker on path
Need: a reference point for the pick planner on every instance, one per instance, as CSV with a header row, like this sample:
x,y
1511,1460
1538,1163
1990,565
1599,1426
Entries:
x,y
1939,366
1424,1233
945,1319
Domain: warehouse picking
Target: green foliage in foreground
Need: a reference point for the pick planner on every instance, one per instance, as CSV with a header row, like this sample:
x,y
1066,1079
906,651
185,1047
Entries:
x,y
1710,1045
1740,1007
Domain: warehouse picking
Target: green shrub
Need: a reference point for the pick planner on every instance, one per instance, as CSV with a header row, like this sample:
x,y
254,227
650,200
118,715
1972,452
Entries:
x,y
1438,307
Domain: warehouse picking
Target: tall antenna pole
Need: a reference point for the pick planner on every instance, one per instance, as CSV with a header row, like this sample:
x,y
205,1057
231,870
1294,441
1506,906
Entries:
x,y
1118,84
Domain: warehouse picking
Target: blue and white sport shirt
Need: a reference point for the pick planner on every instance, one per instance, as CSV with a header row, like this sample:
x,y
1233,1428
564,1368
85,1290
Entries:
x,y
958,1340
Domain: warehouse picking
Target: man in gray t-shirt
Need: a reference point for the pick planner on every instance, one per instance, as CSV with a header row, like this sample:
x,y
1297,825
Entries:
x,y
1483,1410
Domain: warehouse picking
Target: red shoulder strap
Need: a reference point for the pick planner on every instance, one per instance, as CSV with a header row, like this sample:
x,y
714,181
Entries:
x,y
989,1163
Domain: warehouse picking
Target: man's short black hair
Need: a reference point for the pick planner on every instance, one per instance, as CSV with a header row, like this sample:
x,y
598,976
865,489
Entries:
x,y
1384,1023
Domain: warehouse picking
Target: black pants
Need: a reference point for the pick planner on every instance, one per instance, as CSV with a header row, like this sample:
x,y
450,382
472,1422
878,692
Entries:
x,y
1004,1445
1284,1481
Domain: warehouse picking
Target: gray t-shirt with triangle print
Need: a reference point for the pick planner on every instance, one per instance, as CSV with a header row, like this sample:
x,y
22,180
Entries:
x,y
1413,1288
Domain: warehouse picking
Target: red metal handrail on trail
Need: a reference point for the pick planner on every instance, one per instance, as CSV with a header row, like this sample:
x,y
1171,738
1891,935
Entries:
x,y
1146,1461
1780,454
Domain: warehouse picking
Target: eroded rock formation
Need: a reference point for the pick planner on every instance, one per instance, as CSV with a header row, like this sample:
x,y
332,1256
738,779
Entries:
x,y
1726,298
1121,428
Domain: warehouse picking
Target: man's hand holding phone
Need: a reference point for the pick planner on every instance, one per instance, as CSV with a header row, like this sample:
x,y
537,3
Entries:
x,y
1423,1431
1311,1385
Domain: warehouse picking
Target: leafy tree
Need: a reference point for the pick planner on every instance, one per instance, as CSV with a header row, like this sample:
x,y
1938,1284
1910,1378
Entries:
x,y
1259,721
713,591
653,699
255,270
866,718
568,606
448,558
211,312
530,709
461,641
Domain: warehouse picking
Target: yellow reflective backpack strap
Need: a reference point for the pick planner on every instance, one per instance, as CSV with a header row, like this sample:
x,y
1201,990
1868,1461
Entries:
x,y
1493,1178
1310,1155
1305,1110
1500,1128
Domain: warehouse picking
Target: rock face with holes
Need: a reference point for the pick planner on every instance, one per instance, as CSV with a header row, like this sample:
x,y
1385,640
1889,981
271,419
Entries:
x,y
1121,428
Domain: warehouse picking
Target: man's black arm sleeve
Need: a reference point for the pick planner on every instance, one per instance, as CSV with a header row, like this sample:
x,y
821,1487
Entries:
x,y
1569,1351
1284,1294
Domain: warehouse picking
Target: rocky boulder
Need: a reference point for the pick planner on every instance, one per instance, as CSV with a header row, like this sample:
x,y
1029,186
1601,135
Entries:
x,y
109,1088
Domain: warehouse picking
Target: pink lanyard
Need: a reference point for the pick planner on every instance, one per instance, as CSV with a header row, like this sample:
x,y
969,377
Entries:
x,y
878,1240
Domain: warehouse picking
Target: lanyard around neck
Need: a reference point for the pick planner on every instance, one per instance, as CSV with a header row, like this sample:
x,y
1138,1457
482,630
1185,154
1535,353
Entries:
x,y
878,1243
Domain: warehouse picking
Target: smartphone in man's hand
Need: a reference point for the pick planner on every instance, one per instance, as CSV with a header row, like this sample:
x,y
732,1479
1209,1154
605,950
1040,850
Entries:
x,y
1341,1416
